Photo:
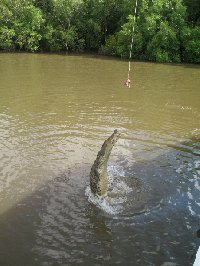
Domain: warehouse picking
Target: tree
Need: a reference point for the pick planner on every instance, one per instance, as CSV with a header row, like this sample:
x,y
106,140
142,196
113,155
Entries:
x,y
165,30
7,33
157,31
60,31
193,8
191,44
21,24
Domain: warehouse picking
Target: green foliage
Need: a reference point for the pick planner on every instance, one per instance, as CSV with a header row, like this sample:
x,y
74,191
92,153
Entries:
x,y
164,45
110,47
157,32
157,29
21,23
191,44
193,8
60,34
124,37
6,38
27,28
165,30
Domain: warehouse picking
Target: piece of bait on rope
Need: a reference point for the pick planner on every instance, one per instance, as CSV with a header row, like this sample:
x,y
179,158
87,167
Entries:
x,y
127,83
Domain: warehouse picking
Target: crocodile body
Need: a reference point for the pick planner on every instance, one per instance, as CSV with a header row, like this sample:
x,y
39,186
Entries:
x,y
98,173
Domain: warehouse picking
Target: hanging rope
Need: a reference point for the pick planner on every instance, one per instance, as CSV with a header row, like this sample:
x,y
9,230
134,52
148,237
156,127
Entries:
x,y
131,48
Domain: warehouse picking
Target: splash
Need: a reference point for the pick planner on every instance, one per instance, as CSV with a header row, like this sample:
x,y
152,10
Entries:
x,y
118,190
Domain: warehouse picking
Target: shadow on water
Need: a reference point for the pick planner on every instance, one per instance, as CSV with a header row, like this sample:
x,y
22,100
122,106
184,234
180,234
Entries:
x,y
56,225
105,57
108,58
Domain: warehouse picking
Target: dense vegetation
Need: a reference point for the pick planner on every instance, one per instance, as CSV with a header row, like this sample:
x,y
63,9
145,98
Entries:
x,y
165,30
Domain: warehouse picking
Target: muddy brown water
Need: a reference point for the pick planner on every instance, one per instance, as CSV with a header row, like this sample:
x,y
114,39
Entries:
x,y
55,113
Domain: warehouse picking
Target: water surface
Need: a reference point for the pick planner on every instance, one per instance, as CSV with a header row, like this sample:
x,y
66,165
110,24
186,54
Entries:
x,y
55,113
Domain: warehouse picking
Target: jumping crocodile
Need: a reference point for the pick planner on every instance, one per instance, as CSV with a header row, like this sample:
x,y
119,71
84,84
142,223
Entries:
x,y
98,173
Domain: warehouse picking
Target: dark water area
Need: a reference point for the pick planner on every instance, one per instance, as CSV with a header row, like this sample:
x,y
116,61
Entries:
x,y
55,113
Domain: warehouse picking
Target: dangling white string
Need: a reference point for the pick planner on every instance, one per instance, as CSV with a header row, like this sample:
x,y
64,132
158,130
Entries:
x,y
131,48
